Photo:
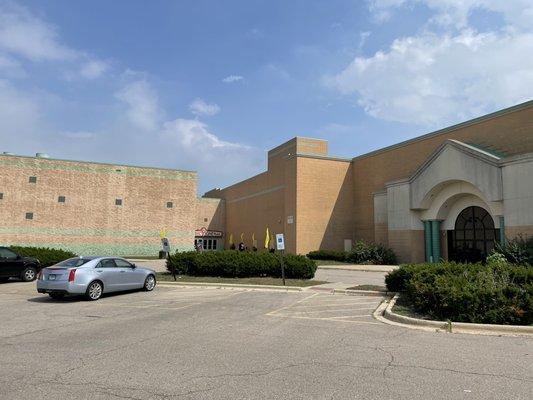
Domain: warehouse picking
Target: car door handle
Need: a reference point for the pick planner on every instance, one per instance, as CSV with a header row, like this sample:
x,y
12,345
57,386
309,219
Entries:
x,y
99,271
122,271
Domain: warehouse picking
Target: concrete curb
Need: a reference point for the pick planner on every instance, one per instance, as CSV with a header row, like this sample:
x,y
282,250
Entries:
x,y
233,285
385,314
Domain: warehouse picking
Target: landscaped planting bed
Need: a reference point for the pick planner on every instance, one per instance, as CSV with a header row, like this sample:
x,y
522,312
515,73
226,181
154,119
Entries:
x,y
496,293
362,253
237,264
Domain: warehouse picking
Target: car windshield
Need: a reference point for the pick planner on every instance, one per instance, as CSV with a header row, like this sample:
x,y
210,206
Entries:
x,y
72,262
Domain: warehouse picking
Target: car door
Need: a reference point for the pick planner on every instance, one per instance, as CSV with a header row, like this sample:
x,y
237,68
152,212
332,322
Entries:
x,y
10,263
109,274
132,278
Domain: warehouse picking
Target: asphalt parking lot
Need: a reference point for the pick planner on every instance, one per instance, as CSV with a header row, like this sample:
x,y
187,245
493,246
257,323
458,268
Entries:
x,y
179,343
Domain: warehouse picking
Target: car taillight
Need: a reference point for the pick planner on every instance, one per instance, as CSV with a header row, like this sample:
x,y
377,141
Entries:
x,y
71,275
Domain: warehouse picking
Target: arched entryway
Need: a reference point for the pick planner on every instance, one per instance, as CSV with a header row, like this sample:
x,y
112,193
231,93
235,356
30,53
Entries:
x,y
474,235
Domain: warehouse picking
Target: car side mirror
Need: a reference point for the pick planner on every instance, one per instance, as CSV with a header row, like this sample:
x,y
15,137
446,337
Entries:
x,y
133,266
19,257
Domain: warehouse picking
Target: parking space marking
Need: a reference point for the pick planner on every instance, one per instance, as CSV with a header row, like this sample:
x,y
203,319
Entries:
x,y
325,307
159,307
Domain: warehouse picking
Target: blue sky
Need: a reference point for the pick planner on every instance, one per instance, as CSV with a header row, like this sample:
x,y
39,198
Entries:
x,y
212,85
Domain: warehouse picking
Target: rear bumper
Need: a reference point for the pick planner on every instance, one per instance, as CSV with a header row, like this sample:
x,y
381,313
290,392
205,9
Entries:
x,y
60,287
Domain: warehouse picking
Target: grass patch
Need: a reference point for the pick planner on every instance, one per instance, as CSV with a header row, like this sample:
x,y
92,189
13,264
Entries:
x,y
165,276
369,287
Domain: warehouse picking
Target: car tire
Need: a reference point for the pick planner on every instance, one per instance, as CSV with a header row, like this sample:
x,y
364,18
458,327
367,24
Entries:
x,y
149,283
56,296
29,274
94,290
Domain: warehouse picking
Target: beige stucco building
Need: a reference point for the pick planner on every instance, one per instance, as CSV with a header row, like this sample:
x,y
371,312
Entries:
x,y
452,193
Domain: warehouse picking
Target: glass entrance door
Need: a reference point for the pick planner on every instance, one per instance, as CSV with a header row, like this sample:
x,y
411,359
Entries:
x,y
474,236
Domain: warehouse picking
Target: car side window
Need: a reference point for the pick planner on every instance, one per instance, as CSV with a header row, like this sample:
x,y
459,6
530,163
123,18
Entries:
x,y
7,254
109,263
122,263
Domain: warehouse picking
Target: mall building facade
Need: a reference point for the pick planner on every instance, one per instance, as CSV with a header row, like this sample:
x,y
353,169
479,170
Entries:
x,y
450,194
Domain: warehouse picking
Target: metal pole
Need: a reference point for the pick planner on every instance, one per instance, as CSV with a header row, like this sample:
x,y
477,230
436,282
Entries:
x,y
282,266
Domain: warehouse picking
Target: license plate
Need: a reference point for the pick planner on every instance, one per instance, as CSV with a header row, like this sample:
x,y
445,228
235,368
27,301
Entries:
x,y
51,277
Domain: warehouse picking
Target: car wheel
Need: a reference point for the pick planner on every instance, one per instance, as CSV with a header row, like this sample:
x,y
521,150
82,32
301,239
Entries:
x,y
94,290
56,296
149,283
29,274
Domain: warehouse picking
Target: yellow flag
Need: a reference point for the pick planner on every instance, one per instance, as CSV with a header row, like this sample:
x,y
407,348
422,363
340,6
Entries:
x,y
231,239
253,237
242,237
267,239
162,233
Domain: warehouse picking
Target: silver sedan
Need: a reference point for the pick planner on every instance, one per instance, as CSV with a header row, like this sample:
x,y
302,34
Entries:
x,y
93,276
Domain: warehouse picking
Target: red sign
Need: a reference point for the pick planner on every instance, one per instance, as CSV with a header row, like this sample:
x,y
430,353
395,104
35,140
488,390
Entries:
x,y
203,232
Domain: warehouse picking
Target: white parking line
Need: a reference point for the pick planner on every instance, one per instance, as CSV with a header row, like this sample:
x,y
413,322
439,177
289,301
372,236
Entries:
x,y
333,311
333,305
353,309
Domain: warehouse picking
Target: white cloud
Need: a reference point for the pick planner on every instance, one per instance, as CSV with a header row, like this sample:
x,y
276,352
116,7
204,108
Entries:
x,y
456,12
232,78
193,135
200,108
93,69
25,35
437,77
142,101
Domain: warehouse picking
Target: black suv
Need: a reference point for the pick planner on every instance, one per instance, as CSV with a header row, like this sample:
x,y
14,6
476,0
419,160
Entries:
x,y
13,265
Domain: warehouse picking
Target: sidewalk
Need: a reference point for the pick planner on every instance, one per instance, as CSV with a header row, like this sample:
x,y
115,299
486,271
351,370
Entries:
x,y
355,267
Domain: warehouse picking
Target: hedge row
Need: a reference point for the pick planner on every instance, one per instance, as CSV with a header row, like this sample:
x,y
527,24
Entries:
x,y
237,264
496,293
362,253
45,255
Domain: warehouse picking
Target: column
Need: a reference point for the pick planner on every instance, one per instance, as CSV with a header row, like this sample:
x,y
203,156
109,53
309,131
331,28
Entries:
x,y
435,240
427,240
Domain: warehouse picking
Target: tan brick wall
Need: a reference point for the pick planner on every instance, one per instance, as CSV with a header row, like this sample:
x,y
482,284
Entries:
x,y
89,220
324,204
211,214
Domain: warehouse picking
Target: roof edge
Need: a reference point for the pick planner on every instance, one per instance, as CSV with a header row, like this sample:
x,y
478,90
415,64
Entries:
x,y
483,118
99,163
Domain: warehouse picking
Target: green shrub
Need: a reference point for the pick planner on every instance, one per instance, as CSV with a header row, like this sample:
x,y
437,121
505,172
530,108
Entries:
x,y
396,280
362,253
327,255
370,253
237,264
45,255
498,293
517,251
